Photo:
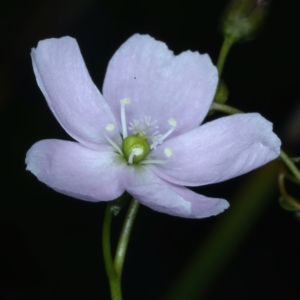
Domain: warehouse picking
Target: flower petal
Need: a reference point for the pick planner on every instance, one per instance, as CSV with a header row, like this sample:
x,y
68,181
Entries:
x,y
218,150
168,198
75,170
70,92
159,84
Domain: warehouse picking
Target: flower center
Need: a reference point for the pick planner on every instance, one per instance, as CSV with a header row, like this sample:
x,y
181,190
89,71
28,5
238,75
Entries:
x,y
136,147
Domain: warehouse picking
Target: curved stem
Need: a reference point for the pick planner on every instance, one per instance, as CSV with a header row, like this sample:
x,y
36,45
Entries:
x,y
290,164
288,198
114,280
124,237
291,178
225,108
227,43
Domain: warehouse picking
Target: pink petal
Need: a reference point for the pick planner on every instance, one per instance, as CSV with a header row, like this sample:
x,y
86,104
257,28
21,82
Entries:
x,y
218,150
71,94
77,171
164,197
159,84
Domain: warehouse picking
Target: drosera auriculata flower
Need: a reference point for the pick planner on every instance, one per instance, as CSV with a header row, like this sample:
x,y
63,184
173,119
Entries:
x,y
142,134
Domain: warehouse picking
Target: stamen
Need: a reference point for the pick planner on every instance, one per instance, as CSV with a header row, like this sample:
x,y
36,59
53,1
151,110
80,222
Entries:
x,y
123,118
114,145
173,123
168,152
134,126
156,140
149,124
142,126
152,161
135,151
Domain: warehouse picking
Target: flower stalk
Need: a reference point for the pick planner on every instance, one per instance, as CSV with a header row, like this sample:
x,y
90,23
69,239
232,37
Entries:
x,y
114,268
113,278
124,236
226,46
290,164
224,108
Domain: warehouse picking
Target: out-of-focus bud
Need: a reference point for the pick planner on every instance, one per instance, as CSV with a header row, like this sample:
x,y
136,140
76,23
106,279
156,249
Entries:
x,y
243,19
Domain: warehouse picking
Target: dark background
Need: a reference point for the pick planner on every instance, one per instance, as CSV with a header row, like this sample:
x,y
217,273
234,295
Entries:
x,y
50,243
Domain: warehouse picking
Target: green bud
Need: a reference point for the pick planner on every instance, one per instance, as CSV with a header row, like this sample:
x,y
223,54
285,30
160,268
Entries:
x,y
243,19
136,143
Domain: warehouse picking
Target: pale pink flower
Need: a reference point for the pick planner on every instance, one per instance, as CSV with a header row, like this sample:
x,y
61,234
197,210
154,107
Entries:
x,y
150,92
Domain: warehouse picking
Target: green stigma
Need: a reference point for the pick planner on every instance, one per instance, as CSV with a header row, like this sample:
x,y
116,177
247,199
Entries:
x,y
135,148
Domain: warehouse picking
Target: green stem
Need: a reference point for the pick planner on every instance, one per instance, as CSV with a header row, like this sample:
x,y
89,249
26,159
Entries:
x,y
227,43
290,164
114,280
291,201
225,108
124,237
291,178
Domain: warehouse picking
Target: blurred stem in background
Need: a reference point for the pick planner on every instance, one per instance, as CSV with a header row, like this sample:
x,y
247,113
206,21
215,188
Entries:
x,y
232,228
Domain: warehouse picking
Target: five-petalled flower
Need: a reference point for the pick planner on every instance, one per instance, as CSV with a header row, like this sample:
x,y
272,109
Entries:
x,y
142,134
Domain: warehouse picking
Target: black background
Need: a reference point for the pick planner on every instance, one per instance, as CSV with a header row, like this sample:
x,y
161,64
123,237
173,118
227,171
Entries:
x,y
50,243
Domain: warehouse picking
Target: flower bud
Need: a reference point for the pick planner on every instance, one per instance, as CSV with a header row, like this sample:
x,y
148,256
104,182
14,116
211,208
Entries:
x,y
243,19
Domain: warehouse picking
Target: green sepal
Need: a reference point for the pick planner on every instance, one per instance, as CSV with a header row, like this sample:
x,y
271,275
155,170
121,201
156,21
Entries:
x,y
115,206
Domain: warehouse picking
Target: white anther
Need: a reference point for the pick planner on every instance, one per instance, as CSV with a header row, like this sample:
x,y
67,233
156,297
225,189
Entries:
x,y
123,118
125,101
172,122
135,151
168,152
110,127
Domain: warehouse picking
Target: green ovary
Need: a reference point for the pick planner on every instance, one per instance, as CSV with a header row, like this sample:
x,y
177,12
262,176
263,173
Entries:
x,y
135,142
